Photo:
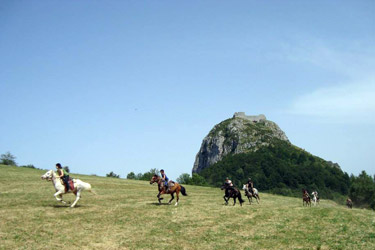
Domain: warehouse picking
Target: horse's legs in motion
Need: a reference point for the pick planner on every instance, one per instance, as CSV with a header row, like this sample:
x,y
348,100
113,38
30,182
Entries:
x,y
78,196
58,196
171,198
248,196
226,201
234,200
178,198
159,198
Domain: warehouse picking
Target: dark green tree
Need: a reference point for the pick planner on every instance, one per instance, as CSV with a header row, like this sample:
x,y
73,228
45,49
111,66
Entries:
x,y
148,175
184,179
113,175
8,159
362,190
131,176
198,180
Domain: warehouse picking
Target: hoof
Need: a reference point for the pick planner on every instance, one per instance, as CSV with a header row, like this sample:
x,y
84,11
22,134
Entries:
x,y
176,204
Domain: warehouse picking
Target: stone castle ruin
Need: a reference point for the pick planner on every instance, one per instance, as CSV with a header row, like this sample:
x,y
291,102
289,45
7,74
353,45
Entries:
x,y
253,118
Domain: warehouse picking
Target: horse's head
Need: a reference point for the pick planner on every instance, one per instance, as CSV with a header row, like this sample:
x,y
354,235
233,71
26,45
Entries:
x,y
224,186
47,176
154,179
244,187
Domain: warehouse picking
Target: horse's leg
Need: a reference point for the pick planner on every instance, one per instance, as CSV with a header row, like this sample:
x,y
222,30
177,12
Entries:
x,y
226,201
78,196
234,200
169,202
178,196
58,196
159,198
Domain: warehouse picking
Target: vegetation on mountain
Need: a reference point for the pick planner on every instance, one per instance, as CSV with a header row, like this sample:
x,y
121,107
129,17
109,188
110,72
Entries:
x,y
362,190
280,168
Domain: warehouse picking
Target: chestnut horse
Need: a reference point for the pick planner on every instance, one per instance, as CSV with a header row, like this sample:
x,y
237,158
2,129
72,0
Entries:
x,y
174,187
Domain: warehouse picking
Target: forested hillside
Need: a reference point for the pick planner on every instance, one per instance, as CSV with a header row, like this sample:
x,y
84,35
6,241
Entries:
x,y
281,168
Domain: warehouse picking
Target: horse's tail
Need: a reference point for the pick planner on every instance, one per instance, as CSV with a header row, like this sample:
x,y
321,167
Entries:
x,y
92,191
240,197
89,188
183,191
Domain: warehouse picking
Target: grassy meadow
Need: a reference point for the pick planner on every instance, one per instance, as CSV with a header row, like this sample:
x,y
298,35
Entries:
x,y
124,215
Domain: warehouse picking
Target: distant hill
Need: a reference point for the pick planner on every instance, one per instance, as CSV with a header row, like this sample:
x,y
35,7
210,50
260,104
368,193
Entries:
x,y
251,146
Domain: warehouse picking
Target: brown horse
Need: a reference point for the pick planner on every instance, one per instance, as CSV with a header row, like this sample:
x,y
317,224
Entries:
x,y
306,198
349,203
174,187
231,192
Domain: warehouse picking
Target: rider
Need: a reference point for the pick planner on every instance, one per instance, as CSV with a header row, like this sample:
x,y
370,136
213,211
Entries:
x,y
305,193
229,183
63,175
165,179
250,186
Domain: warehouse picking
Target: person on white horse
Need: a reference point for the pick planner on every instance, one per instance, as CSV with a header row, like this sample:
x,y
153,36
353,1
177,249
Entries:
x,y
79,186
315,197
63,174
250,186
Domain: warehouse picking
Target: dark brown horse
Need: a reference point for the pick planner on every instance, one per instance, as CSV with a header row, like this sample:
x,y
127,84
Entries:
x,y
231,192
174,187
349,203
306,198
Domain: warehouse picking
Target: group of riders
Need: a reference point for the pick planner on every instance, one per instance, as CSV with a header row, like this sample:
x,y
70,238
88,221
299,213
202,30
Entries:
x,y
249,185
64,175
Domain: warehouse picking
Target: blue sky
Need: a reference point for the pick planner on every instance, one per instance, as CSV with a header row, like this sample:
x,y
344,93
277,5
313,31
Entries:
x,y
132,85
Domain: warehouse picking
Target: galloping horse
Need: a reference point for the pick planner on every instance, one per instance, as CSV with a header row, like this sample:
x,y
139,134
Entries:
x,y
349,203
173,188
249,195
231,192
315,197
305,198
79,186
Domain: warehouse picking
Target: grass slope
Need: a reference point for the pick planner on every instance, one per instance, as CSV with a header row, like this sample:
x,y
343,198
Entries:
x,y
124,214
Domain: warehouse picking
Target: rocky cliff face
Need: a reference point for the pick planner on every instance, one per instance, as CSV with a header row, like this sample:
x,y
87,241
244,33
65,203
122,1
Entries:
x,y
239,134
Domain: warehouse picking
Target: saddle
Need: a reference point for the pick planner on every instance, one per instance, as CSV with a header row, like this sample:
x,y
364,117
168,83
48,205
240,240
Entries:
x,y
170,185
70,182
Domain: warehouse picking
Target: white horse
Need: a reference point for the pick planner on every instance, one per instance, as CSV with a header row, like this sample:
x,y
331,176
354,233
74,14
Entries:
x,y
249,195
315,197
79,186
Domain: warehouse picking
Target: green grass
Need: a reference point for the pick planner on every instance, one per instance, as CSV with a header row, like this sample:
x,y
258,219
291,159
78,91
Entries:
x,y
124,214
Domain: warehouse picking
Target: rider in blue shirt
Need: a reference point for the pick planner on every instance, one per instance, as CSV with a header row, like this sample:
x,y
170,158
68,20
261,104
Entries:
x,y
164,178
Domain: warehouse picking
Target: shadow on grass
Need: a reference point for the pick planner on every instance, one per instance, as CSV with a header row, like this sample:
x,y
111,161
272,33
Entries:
x,y
61,205
158,204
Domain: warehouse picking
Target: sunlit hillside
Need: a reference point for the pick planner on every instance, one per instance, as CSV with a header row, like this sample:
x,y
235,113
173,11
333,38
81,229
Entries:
x,y
124,214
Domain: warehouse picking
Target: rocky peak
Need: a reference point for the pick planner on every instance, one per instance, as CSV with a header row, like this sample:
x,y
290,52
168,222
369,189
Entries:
x,y
239,134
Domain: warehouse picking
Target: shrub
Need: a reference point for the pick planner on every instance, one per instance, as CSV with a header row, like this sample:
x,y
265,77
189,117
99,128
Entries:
x,y
113,175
